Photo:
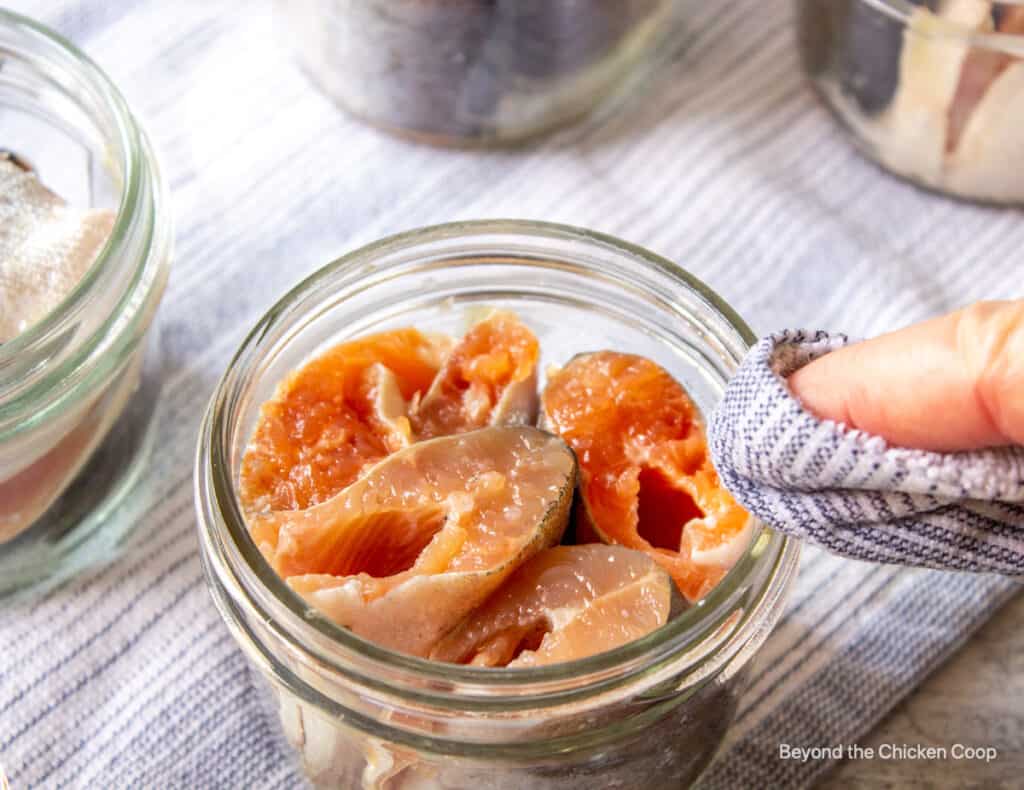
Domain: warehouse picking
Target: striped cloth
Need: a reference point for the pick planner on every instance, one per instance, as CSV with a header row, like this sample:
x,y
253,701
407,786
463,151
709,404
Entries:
x,y
126,676
847,491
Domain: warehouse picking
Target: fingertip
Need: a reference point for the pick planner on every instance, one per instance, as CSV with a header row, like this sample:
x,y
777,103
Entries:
x,y
822,392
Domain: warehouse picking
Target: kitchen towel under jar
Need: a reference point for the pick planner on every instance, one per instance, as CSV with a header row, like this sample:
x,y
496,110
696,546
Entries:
x,y
737,173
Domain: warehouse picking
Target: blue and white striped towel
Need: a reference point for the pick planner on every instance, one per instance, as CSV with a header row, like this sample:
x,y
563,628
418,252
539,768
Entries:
x,y
850,493
126,676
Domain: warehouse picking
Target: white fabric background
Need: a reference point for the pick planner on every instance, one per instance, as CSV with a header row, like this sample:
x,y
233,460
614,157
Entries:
x,y
126,675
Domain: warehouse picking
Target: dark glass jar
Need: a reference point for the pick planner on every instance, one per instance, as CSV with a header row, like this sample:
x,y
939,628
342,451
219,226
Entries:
x,y
476,72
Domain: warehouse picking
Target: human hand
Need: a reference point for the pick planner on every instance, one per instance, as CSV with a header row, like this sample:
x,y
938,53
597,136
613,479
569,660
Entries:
x,y
952,383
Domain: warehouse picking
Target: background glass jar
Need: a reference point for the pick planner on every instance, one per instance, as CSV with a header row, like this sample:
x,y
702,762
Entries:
x,y
649,714
476,71
78,389
933,91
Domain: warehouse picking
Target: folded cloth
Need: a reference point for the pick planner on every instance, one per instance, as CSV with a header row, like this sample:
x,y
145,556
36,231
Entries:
x,y
849,492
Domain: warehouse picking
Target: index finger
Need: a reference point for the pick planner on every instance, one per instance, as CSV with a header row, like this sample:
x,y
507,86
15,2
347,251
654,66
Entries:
x,y
952,383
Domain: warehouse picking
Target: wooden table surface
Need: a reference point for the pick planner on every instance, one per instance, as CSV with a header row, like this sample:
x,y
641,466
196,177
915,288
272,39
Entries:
x,y
976,698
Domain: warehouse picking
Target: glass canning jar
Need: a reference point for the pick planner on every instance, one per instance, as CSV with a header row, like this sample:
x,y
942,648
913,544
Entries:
x,y
78,389
477,72
648,714
932,91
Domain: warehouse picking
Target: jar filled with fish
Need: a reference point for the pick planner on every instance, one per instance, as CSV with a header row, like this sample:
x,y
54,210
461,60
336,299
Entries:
x,y
933,90
476,72
84,250
467,544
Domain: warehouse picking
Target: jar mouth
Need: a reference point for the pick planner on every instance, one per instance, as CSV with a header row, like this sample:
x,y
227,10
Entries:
x,y
903,11
229,551
60,357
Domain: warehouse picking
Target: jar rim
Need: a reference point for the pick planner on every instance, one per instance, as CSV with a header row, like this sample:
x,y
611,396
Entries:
x,y
132,259
223,530
903,11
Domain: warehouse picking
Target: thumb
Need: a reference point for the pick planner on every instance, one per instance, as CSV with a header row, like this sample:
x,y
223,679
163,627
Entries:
x,y
952,383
